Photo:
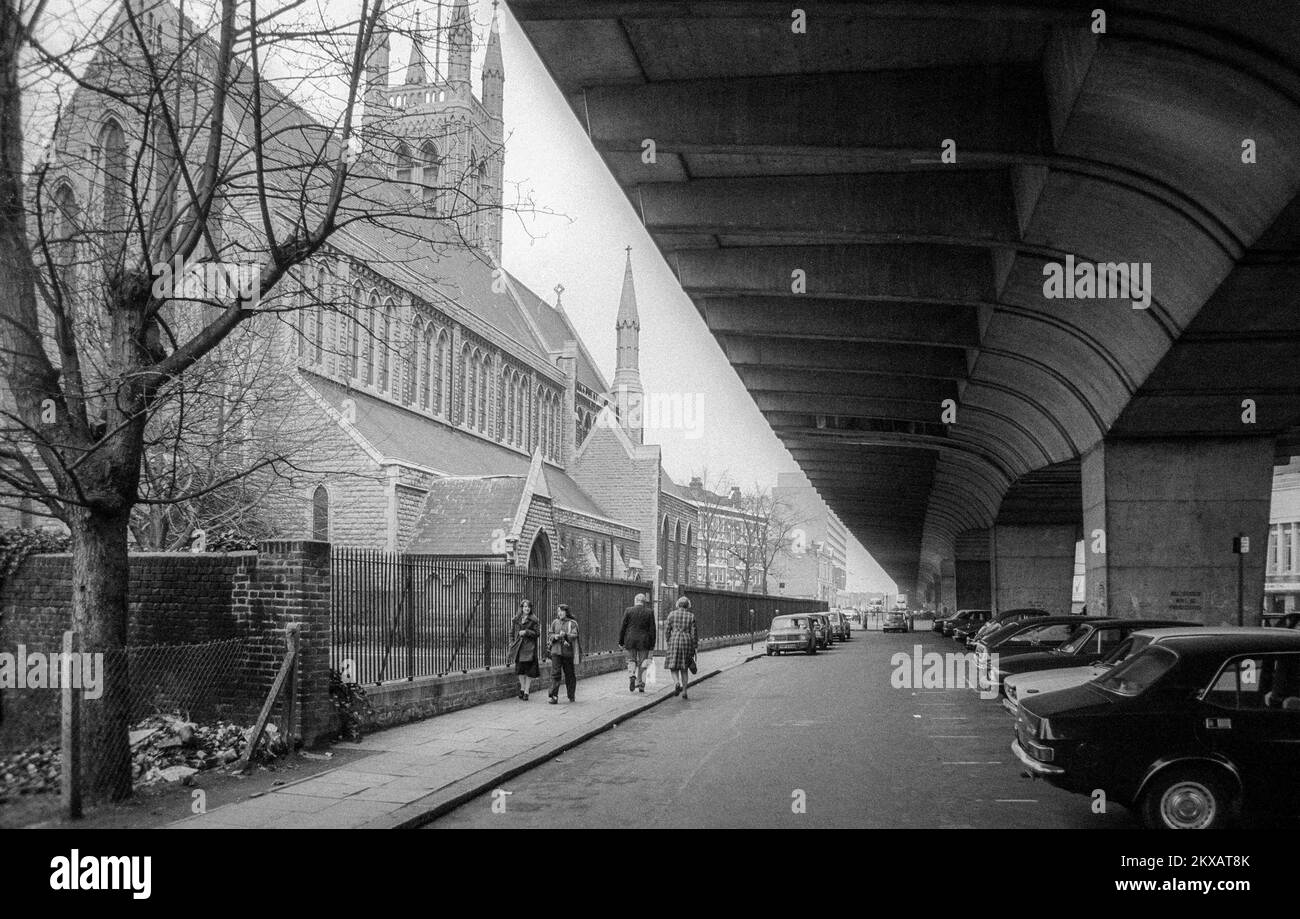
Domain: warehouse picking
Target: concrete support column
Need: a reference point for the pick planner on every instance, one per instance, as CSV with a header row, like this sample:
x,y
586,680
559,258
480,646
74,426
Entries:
x,y
947,599
1033,565
1159,520
971,571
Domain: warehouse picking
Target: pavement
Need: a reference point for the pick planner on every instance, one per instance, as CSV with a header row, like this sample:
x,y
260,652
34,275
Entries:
x,y
824,741
417,772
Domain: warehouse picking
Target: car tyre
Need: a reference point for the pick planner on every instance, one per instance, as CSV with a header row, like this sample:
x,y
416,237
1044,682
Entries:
x,y
813,648
1191,798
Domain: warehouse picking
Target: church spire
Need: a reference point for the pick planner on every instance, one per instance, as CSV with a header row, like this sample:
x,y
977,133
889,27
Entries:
x,y
417,71
460,43
494,71
628,392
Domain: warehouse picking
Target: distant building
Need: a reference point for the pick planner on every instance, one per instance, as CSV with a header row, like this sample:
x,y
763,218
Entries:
x,y
727,534
1282,565
817,565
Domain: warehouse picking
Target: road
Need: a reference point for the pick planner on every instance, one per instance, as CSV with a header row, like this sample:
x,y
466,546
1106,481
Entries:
x,y
828,730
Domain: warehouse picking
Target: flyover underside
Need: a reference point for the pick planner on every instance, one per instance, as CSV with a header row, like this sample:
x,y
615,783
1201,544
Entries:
x,y
885,306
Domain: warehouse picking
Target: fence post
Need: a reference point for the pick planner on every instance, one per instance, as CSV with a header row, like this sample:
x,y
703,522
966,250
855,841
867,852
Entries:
x,y
487,615
71,739
408,603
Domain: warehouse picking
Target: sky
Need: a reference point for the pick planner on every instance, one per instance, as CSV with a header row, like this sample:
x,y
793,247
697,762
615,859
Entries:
x,y
581,244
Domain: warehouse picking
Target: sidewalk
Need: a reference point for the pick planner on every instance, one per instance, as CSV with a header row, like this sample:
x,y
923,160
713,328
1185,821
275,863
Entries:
x,y
419,771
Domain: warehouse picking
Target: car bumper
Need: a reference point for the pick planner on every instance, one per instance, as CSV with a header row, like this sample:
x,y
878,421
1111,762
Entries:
x,y
788,645
1008,705
1033,765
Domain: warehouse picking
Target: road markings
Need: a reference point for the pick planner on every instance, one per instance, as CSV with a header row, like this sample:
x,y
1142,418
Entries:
x,y
1015,800
971,762
953,736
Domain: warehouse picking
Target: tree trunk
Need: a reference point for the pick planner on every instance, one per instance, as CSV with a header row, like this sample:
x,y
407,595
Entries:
x,y
100,581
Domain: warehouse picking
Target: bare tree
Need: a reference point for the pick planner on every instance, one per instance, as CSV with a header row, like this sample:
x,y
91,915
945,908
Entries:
x,y
710,498
764,532
170,142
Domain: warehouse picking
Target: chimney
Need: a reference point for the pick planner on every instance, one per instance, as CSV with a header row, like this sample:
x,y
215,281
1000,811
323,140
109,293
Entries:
x,y
697,483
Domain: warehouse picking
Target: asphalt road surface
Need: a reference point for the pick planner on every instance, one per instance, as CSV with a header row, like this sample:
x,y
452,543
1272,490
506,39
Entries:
x,y
829,731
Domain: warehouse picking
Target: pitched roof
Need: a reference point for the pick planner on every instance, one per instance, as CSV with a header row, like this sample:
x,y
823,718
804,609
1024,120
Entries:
x,y
405,435
467,516
556,329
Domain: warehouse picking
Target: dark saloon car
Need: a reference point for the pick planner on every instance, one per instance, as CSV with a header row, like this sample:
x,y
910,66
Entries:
x,y
970,625
791,633
1191,731
897,621
822,626
960,618
1090,643
840,625
1006,617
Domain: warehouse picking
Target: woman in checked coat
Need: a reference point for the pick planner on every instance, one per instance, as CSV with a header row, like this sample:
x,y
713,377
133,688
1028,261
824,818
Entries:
x,y
680,634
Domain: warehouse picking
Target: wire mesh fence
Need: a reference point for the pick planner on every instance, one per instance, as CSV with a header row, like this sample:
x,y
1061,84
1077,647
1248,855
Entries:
x,y
141,709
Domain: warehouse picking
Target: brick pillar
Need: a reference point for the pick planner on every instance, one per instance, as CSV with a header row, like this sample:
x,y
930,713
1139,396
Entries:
x,y
289,582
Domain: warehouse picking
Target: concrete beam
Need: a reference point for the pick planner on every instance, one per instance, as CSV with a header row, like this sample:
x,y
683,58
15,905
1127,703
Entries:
x,y
841,320
915,274
895,360
998,112
876,207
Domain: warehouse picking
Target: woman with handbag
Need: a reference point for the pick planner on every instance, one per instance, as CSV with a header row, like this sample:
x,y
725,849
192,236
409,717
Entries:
x,y
564,653
523,649
682,639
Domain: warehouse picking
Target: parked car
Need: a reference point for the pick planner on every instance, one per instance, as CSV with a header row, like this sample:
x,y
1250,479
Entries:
x,y
1006,617
1191,731
1026,636
1091,642
1016,687
822,626
840,625
896,621
791,633
966,621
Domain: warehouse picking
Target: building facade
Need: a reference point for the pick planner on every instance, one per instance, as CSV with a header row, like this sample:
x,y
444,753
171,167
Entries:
x,y
817,564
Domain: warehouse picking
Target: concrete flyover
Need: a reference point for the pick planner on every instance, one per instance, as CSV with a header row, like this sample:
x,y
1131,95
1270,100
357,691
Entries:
x,y
857,278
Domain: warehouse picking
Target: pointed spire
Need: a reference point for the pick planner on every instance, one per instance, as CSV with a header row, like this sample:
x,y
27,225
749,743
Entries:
x,y
460,42
417,72
494,71
627,314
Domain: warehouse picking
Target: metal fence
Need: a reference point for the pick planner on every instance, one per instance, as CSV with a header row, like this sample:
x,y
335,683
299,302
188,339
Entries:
x,y
396,617
730,614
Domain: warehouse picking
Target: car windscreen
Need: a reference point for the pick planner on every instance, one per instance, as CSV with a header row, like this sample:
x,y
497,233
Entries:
x,y
1135,675
789,622
1075,644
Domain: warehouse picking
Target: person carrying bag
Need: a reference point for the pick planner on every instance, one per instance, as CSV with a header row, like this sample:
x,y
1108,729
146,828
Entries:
x,y
565,653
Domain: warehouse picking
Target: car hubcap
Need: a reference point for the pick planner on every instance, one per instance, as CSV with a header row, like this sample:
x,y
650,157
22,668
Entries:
x,y
1188,806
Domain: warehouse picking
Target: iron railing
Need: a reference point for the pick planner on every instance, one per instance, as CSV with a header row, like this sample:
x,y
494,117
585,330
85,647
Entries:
x,y
397,617
731,614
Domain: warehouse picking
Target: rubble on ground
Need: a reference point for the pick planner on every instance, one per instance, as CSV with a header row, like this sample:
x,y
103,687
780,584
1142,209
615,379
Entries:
x,y
165,748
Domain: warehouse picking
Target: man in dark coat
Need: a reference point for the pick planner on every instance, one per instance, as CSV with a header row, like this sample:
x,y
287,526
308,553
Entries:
x,y
637,639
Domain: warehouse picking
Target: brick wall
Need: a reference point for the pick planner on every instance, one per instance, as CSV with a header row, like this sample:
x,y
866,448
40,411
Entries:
x,y
186,599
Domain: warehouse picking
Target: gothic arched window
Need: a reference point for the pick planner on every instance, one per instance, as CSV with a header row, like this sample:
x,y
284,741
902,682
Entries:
x,y
404,164
320,514
368,343
466,381
113,175
441,375
430,171
385,344
64,236
481,394
427,373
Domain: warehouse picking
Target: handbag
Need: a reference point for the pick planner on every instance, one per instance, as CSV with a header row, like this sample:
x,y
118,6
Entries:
x,y
694,665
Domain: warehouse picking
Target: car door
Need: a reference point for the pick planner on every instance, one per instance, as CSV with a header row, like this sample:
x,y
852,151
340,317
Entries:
x,y
1251,715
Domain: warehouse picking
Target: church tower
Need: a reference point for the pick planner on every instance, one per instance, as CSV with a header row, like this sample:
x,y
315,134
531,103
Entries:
x,y
628,394
437,141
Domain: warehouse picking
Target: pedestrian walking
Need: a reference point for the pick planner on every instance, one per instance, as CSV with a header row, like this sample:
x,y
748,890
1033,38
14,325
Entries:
x,y
523,648
565,653
682,639
637,639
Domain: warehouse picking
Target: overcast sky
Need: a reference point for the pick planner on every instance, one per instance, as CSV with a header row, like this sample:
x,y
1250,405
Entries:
x,y
550,159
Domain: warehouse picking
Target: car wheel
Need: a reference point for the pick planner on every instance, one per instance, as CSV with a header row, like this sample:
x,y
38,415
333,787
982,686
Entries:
x,y
1187,799
812,649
